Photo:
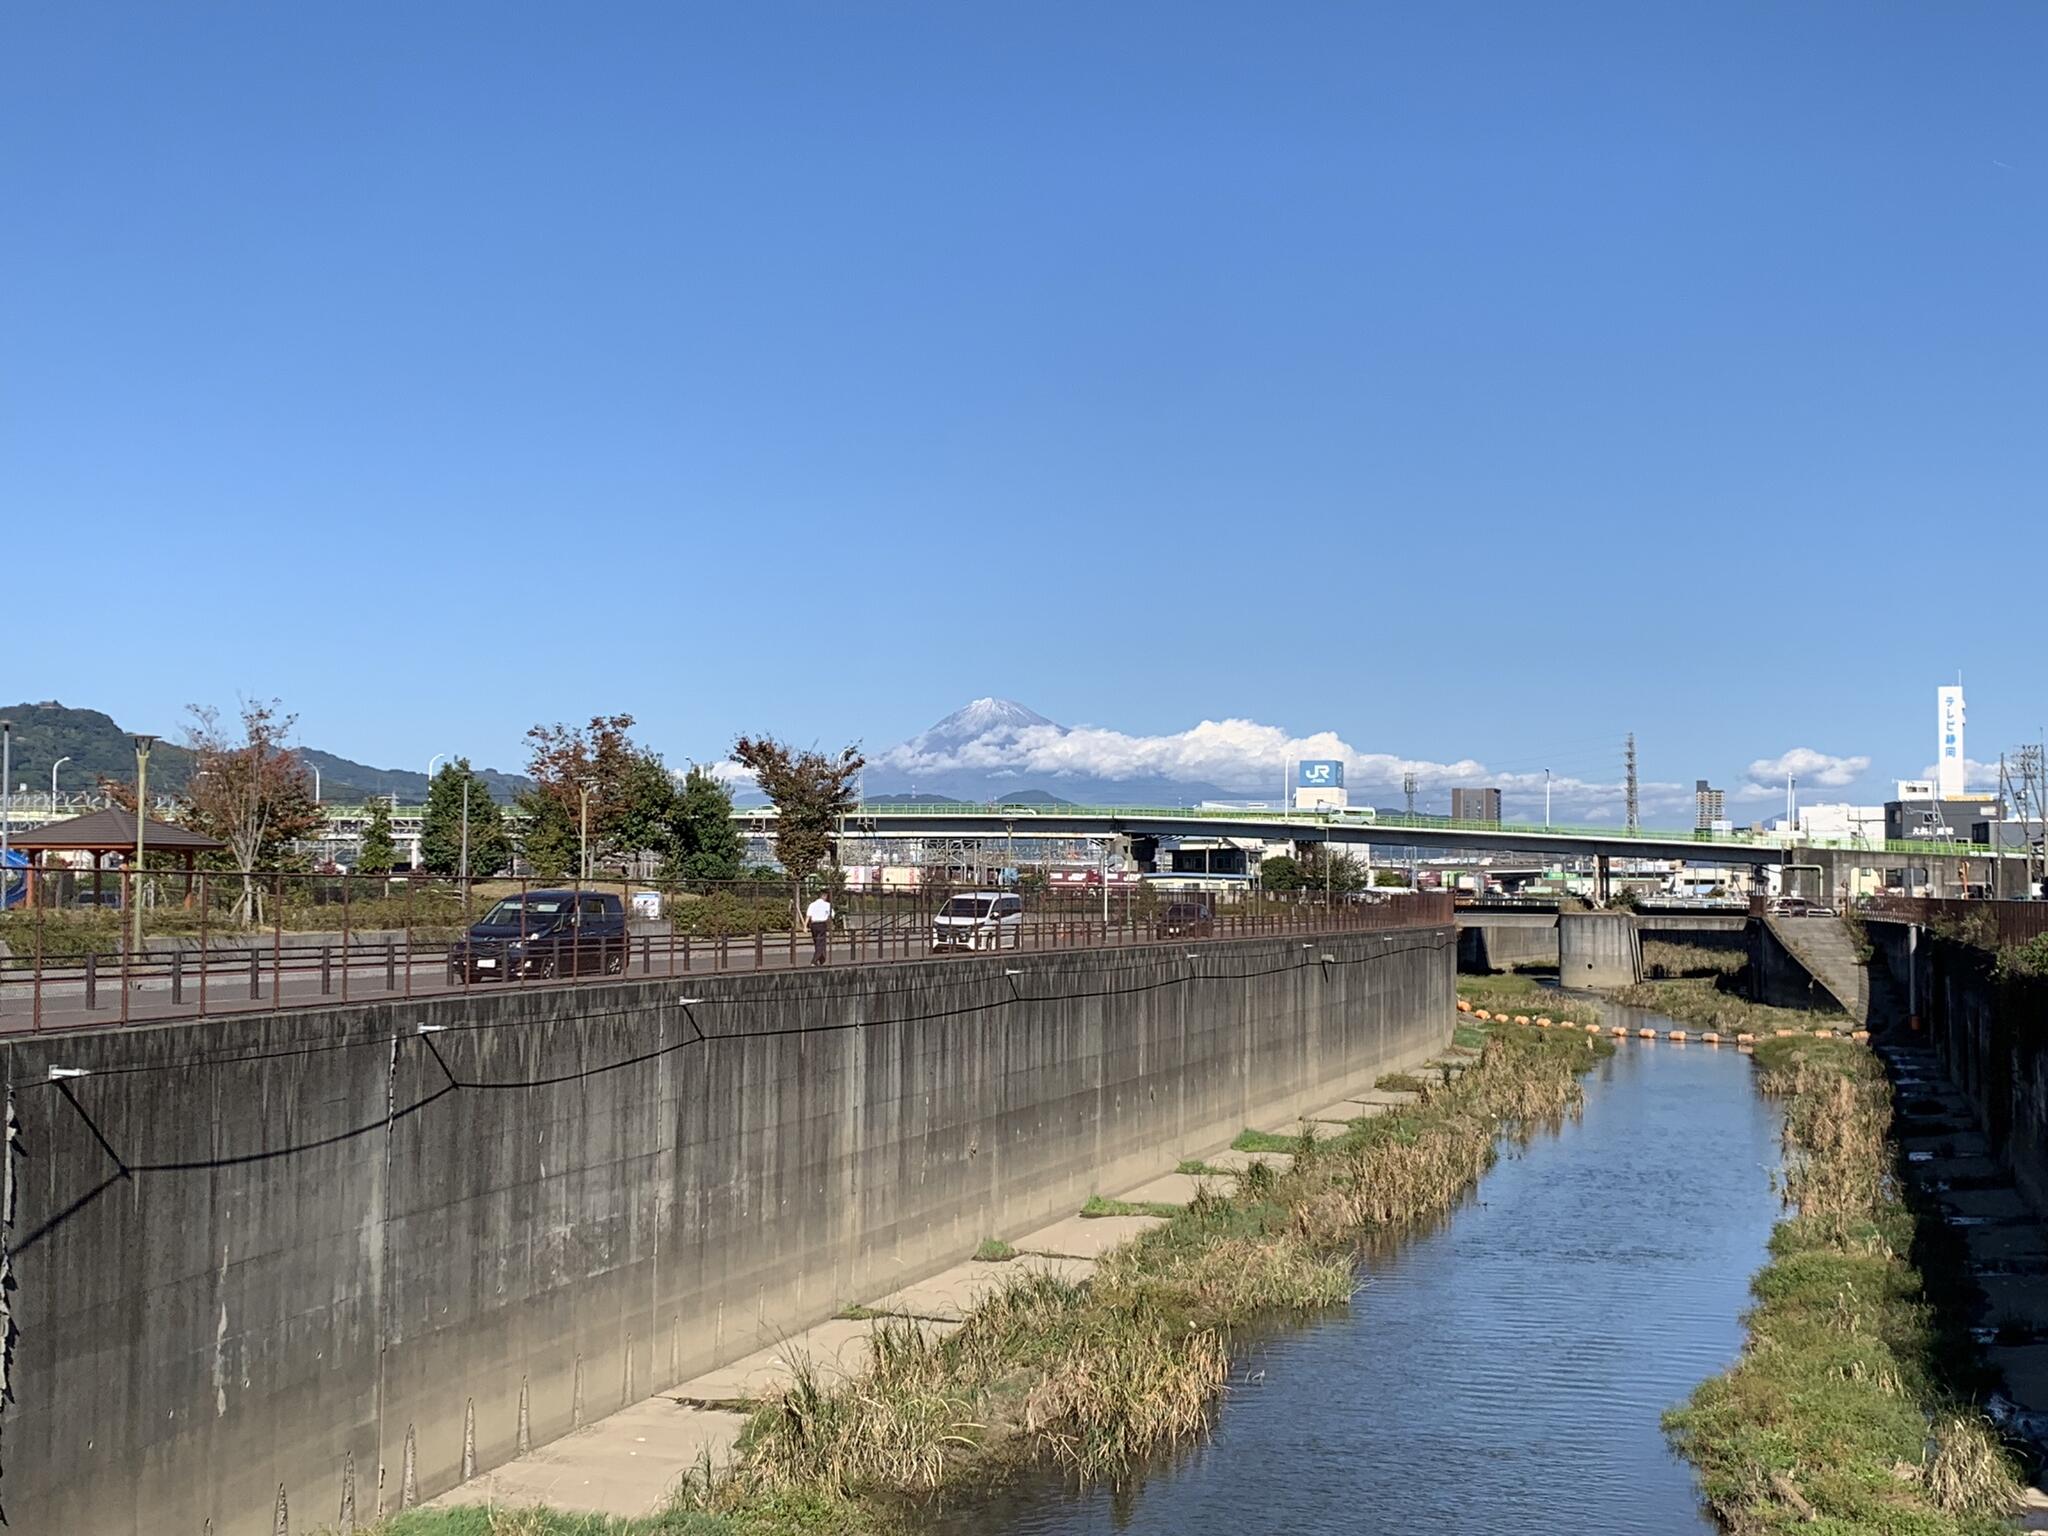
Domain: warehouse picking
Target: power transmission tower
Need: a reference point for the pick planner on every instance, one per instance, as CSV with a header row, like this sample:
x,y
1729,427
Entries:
x,y
1634,821
1408,787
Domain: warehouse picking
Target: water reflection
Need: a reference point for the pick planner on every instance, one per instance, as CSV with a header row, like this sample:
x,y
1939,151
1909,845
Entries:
x,y
1507,1369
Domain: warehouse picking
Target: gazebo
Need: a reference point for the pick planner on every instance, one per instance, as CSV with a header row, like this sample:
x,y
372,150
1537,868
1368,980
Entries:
x,y
100,833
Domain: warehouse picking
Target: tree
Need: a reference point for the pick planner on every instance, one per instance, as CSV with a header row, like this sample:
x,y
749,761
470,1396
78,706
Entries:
x,y
379,852
1315,868
490,850
252,794
1282,872
811,792
631,796
707,845
549,842
1389,879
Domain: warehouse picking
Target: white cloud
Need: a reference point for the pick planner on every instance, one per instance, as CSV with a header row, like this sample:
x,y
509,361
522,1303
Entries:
x,y
1974,772
1811,768
1248,758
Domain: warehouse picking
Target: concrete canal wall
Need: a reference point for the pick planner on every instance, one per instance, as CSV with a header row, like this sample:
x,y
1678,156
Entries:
x,y
1986,1034
333,1260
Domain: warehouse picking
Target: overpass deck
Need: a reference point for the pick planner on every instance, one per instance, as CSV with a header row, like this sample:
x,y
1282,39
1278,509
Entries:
x,y
1373,828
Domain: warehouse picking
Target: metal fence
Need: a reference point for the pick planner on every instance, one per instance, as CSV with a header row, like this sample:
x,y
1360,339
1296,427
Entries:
x,y
215,943
2005,922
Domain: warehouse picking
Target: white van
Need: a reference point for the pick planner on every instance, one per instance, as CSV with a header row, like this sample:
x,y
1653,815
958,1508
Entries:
x,y
978,920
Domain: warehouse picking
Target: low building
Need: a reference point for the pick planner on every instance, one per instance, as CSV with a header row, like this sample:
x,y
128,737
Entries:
x,y
1937,819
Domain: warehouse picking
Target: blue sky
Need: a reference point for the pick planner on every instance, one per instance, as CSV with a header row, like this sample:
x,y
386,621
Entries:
x,y
1472,382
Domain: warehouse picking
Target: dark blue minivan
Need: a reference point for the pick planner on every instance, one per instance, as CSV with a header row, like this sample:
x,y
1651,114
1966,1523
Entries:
x,y
542,935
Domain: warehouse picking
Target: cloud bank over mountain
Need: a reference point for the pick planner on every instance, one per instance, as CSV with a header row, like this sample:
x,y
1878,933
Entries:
x,y
994,747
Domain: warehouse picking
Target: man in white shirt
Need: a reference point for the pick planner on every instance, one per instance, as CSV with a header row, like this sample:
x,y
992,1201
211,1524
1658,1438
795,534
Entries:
x,y
819,915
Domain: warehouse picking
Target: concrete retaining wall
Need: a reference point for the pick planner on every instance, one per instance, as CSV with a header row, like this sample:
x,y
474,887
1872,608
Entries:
x,y
1985,1033
1500,941
328,1258
1598,949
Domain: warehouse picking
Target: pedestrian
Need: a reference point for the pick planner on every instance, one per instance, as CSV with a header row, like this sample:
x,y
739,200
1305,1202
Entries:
x,y
819,915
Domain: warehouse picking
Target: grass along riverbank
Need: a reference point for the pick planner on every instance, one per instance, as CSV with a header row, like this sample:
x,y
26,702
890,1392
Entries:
x,y
1702,1002
1840,1415
1515,993
1094,1376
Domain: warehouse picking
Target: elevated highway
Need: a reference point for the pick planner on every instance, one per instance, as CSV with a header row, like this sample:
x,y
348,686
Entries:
x,y
1367,828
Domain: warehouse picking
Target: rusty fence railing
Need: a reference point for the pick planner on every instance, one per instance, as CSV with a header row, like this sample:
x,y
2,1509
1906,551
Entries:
x,y
215,944
2007,922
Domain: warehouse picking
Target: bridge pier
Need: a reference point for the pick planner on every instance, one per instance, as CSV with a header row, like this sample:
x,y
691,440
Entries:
x,y
1603,883
1598,949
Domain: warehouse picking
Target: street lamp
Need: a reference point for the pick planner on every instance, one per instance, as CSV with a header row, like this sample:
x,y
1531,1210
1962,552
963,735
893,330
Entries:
x,y
1546,799
583,831
53,782
142,746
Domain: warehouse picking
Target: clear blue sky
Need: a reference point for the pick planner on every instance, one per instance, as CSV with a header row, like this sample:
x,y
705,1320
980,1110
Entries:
x,y
1471,381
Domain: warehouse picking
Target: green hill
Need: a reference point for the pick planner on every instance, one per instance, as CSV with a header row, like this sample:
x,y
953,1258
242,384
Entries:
x,y
97,748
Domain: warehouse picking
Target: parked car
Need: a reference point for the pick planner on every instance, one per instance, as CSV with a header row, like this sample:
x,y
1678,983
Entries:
x,y
1789,906
543,934
1186,920
978,920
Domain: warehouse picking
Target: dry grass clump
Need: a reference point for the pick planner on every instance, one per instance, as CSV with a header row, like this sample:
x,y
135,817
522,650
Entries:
x,y
1116,1393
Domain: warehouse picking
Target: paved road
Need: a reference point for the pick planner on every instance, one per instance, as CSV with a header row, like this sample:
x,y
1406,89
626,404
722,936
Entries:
x,y
61,1000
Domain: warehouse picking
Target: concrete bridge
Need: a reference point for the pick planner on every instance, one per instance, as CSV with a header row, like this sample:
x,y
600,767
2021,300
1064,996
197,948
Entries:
x,y
1794,961
1369,828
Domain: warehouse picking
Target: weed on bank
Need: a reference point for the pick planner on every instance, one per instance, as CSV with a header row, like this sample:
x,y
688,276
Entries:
x,y
1839,1415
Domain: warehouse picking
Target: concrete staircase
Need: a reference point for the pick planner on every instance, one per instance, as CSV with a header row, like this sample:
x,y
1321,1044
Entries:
x,y
1824,947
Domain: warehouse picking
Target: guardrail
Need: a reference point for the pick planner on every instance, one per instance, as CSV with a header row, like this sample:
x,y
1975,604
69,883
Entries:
x,y
2005,922
407,937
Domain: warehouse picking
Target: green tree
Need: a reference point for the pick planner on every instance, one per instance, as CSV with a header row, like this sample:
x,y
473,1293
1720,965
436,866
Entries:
x,y
379,852
707,846
490,849
1315,868
631,796
811,792
1282,872
549,842
642,818
1390,879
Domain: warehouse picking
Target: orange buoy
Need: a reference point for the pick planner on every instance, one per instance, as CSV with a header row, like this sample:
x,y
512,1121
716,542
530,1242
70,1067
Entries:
x,y
1464,1006
1647,1034
1745,1039
1859,1034
1711,1038
1677,1037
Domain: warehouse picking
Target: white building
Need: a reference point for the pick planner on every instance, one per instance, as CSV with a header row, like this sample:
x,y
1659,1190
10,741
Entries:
x,y
1843,822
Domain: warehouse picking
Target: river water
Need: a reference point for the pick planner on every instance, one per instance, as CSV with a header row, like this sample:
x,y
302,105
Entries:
x,y
1506,1370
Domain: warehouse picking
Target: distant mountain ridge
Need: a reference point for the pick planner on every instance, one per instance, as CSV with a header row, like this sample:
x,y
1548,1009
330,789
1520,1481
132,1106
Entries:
x,y
99,748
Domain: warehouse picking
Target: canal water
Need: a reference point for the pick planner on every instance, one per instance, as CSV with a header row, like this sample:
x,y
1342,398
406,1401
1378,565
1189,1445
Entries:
x,y
1506,1370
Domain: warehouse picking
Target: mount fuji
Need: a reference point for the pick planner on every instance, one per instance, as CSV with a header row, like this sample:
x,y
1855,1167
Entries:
x,y
998,749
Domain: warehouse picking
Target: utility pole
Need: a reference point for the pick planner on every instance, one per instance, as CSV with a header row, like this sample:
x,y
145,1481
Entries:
x,y
1635,824
6,795
142,746
1546,799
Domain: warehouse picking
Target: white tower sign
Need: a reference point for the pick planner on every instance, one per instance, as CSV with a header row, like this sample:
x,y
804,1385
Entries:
x,y
1949,777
